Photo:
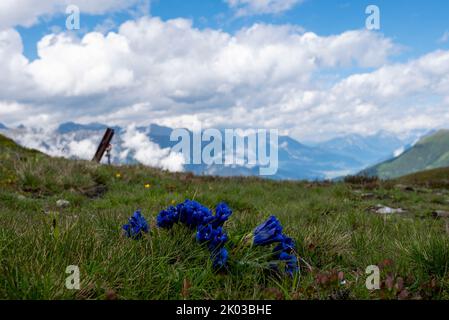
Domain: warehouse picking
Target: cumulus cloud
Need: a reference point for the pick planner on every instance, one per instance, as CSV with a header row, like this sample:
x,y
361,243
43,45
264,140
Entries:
x,y
257,7
90,66
396,97
83,149
173,65
198,65
428,73
13,64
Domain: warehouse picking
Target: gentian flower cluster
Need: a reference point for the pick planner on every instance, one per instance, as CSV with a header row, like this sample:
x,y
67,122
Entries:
x,y
137,225
215,238
190,213
194,214
209,227
167,218
209,231
222,214
270,232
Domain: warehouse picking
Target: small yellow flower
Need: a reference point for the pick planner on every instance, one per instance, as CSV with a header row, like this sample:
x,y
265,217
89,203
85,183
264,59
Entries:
x,y
173,202
147,186
118,175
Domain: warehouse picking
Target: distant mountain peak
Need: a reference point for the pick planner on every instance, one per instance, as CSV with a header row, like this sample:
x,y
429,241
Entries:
x,y
368,150
160,130
74,127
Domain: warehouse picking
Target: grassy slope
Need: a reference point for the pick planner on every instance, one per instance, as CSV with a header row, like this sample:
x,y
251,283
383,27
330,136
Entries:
x,y
330,223
429,153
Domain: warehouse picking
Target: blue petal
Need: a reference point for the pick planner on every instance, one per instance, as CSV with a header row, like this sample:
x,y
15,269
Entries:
x,y
220,259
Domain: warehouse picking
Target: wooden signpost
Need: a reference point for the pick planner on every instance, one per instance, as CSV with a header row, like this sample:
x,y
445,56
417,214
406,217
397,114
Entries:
x,y
105,144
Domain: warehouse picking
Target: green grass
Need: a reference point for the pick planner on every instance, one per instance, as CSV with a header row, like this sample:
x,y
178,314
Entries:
x,y
331,223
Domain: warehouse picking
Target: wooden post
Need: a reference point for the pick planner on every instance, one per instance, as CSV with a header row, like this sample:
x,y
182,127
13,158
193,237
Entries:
x,y
104,144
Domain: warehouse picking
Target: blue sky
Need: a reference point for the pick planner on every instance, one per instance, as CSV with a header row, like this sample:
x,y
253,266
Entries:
x,y
417,25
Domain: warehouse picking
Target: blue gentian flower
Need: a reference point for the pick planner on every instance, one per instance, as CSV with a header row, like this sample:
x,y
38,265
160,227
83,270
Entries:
x,y
209,227
167,218
271,232
284,251
215,238
220,259
222,214
136,226
190,213
194,214
204,233
291,263
286,245
268,232
218,239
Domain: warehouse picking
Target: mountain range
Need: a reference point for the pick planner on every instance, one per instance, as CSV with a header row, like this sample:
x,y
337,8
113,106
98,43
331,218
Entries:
x,y
430,152
367,150
151,145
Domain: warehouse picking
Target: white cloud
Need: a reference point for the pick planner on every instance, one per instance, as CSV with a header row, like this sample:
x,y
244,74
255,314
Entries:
x,y
84,149
46,141
170,72
92,65
13,64
423,75
149,153
396,97
199,64
263,76
398,152
8,109
257,7
28,12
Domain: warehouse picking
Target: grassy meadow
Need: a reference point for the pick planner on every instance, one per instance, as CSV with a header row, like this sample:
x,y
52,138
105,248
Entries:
x,y
337,234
